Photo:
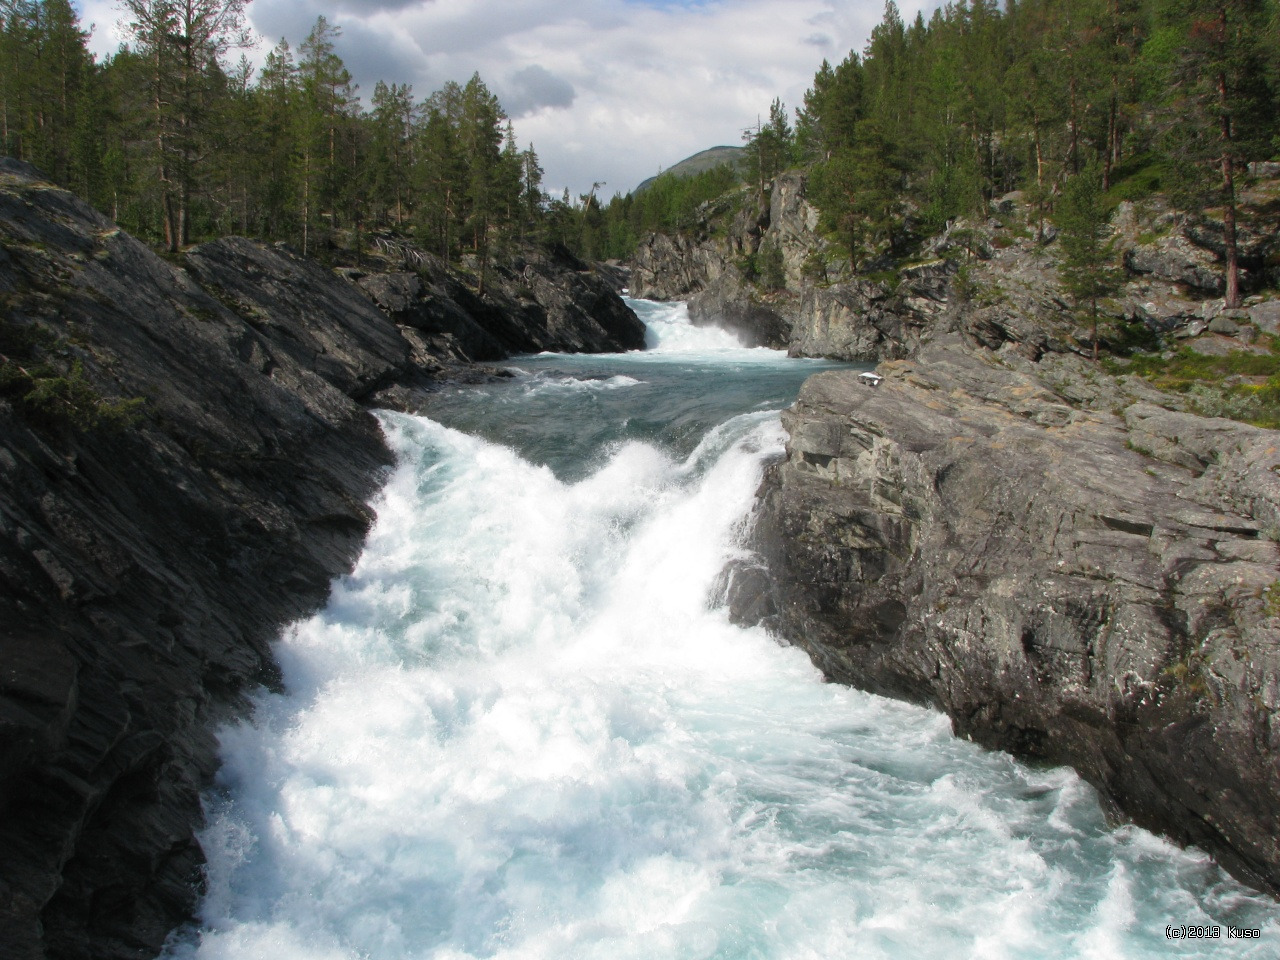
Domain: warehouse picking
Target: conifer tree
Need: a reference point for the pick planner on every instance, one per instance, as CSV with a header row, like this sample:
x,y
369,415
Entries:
x,y
480,142
1222,108
769,147
181,40
44,69
327,102
392,148
1088,269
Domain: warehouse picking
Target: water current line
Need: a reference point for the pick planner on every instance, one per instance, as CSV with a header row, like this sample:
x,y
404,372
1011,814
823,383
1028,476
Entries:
x,y
519,729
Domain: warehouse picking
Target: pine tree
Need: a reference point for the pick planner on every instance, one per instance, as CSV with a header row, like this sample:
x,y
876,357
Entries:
x,y
327,103
1088,258
277,162
44,69
770,147
391,160
182,40
1222,107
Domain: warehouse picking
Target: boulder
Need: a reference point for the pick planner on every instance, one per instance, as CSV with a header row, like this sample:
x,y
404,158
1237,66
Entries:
x,y
1266,316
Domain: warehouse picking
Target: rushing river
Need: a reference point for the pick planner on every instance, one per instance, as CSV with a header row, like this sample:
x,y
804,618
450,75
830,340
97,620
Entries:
x,y
523,729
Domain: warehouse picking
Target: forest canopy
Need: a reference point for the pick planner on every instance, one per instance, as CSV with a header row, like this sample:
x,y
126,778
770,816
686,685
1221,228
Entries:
x,y
935,118
179,138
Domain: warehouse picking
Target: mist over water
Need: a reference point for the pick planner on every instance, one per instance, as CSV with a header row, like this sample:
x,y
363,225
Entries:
x,y
522,729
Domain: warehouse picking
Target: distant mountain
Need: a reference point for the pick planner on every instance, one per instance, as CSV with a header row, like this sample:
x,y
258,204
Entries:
x,y
700,162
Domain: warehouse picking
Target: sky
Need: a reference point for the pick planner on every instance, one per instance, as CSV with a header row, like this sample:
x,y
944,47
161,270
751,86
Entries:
x,y
608,91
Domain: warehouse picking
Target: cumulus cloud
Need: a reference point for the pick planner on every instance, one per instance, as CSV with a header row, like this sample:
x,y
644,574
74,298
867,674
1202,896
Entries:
x,y
532,88
610,90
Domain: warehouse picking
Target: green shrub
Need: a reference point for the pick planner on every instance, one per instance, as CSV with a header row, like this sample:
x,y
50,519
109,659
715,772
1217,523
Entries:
x,y
1203,380
52,396
773,274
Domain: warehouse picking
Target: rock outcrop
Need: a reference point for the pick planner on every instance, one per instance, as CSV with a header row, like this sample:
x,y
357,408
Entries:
x,y
667,267
1069,584
185,462
540,299
816,306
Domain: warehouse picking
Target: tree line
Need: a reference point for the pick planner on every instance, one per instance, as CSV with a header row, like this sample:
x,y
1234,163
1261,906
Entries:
x,y
930,122
934,119
177,145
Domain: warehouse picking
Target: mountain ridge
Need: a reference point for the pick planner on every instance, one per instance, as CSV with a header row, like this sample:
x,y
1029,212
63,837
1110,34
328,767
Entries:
x,y
699,162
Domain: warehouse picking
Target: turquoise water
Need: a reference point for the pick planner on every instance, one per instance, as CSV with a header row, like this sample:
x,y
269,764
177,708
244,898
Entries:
x,y
523,729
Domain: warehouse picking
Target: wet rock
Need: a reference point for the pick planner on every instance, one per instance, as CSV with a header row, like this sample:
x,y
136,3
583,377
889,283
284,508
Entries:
x,y
146,566
962,536
726,304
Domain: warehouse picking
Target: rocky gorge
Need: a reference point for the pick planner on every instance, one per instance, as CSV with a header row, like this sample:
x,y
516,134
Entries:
x,y
186,455
1075,566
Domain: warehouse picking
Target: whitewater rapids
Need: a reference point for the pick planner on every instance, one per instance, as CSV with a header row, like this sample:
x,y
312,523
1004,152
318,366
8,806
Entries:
x,y
523,728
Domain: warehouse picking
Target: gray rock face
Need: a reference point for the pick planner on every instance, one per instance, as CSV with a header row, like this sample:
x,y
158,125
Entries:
x,y
863,320
962,536
1266,316
666,267
847,320
145,569
793,224
559,303
727,303
1179,260
538,300
433,310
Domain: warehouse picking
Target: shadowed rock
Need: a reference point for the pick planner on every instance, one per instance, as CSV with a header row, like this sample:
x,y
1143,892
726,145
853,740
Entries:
x,y
147,564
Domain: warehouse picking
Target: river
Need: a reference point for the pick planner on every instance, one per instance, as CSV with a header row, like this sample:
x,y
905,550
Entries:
x,y
523,728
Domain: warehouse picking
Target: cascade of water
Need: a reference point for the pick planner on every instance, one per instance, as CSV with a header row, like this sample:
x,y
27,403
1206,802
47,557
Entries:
x,y
520,730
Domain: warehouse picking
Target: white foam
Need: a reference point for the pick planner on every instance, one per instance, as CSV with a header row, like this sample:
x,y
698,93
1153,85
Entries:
x,y
670,333
543,384
519,730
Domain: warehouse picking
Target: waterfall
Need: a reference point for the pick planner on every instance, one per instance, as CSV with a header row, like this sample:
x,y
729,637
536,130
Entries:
x,y
522,729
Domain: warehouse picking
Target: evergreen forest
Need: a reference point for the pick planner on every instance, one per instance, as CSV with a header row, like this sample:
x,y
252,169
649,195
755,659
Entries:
x,y
179,147
930,122
936,118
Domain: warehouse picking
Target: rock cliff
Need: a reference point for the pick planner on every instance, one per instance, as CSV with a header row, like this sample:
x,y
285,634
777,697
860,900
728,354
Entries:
x,y
814,308
1069,563
539,299
1071,572
814,305
185,462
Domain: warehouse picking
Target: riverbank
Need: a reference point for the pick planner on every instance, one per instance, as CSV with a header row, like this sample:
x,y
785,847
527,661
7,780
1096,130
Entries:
x,y
1075,564
186,461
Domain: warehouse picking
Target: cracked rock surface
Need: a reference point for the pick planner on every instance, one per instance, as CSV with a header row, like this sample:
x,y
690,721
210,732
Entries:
x,y
1068,584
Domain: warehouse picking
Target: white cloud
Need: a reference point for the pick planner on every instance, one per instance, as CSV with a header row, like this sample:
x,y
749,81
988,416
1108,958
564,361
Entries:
x,y
607,90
